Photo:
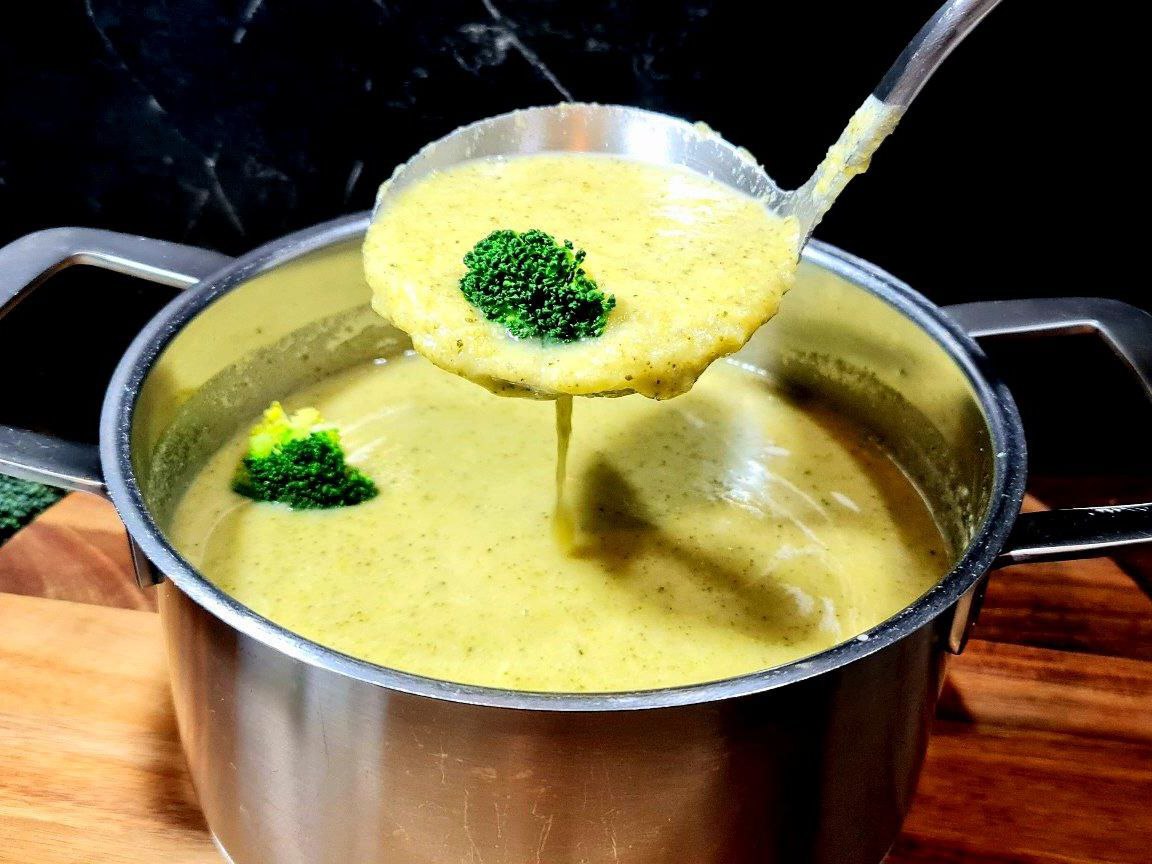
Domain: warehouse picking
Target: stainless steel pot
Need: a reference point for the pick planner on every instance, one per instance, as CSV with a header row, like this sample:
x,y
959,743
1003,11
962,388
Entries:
x,y
301,755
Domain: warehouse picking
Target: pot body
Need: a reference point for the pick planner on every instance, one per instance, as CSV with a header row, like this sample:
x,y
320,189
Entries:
x,y
300,762
297,764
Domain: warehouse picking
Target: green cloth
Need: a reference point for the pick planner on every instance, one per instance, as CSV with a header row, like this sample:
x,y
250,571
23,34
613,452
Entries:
x,y
21,502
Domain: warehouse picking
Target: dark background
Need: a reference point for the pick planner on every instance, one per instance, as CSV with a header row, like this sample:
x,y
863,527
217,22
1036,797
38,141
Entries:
x,y
225,123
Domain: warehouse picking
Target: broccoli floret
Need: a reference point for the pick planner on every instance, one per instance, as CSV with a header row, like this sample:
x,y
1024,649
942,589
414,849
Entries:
x,y
298,460
535,286
21,502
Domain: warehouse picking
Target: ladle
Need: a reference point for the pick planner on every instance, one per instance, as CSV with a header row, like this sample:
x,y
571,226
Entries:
x,y
659,138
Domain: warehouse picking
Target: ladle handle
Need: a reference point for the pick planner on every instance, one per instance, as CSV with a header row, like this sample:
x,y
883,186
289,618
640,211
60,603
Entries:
x,y
27,263
928,49
882,110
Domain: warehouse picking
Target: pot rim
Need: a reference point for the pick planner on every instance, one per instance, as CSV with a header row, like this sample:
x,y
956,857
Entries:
x,y
1005,433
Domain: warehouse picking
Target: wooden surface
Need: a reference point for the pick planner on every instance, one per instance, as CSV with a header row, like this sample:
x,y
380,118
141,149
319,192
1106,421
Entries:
x,y
1042,752
90,766
75,550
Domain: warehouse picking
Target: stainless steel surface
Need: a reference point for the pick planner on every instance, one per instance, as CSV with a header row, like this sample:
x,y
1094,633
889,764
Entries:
x,y
1126,329
31,259
929,48
301,755
146,573
1082,532
296,764
44,459
618,130
964,616
24,265
223,852
1077,532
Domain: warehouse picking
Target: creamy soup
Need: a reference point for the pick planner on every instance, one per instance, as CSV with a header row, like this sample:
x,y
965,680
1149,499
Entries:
x,y
726,531
695,267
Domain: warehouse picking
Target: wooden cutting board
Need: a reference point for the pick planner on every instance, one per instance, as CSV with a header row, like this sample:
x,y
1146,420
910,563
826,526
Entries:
x,y
1042,752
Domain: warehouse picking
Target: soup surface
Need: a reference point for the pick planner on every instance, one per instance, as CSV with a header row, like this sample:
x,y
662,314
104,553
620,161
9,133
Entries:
x,y
723,532
695,267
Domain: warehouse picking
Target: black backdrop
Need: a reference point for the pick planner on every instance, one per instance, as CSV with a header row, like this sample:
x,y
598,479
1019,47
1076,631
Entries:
x,y
225,123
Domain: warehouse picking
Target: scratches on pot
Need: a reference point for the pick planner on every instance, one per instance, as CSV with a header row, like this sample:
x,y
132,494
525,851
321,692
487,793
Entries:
x,y
324,732
442,759
545,825
475,855
499,820
609,822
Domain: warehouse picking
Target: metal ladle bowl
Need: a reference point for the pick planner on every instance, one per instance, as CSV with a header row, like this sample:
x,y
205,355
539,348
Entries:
x,y
652,137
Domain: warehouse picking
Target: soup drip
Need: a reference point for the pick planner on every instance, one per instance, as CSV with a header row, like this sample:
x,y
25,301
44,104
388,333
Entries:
x,y
562,522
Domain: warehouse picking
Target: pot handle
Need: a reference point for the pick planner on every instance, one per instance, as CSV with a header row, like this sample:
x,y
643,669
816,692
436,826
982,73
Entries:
x,y
1080,532
24,265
